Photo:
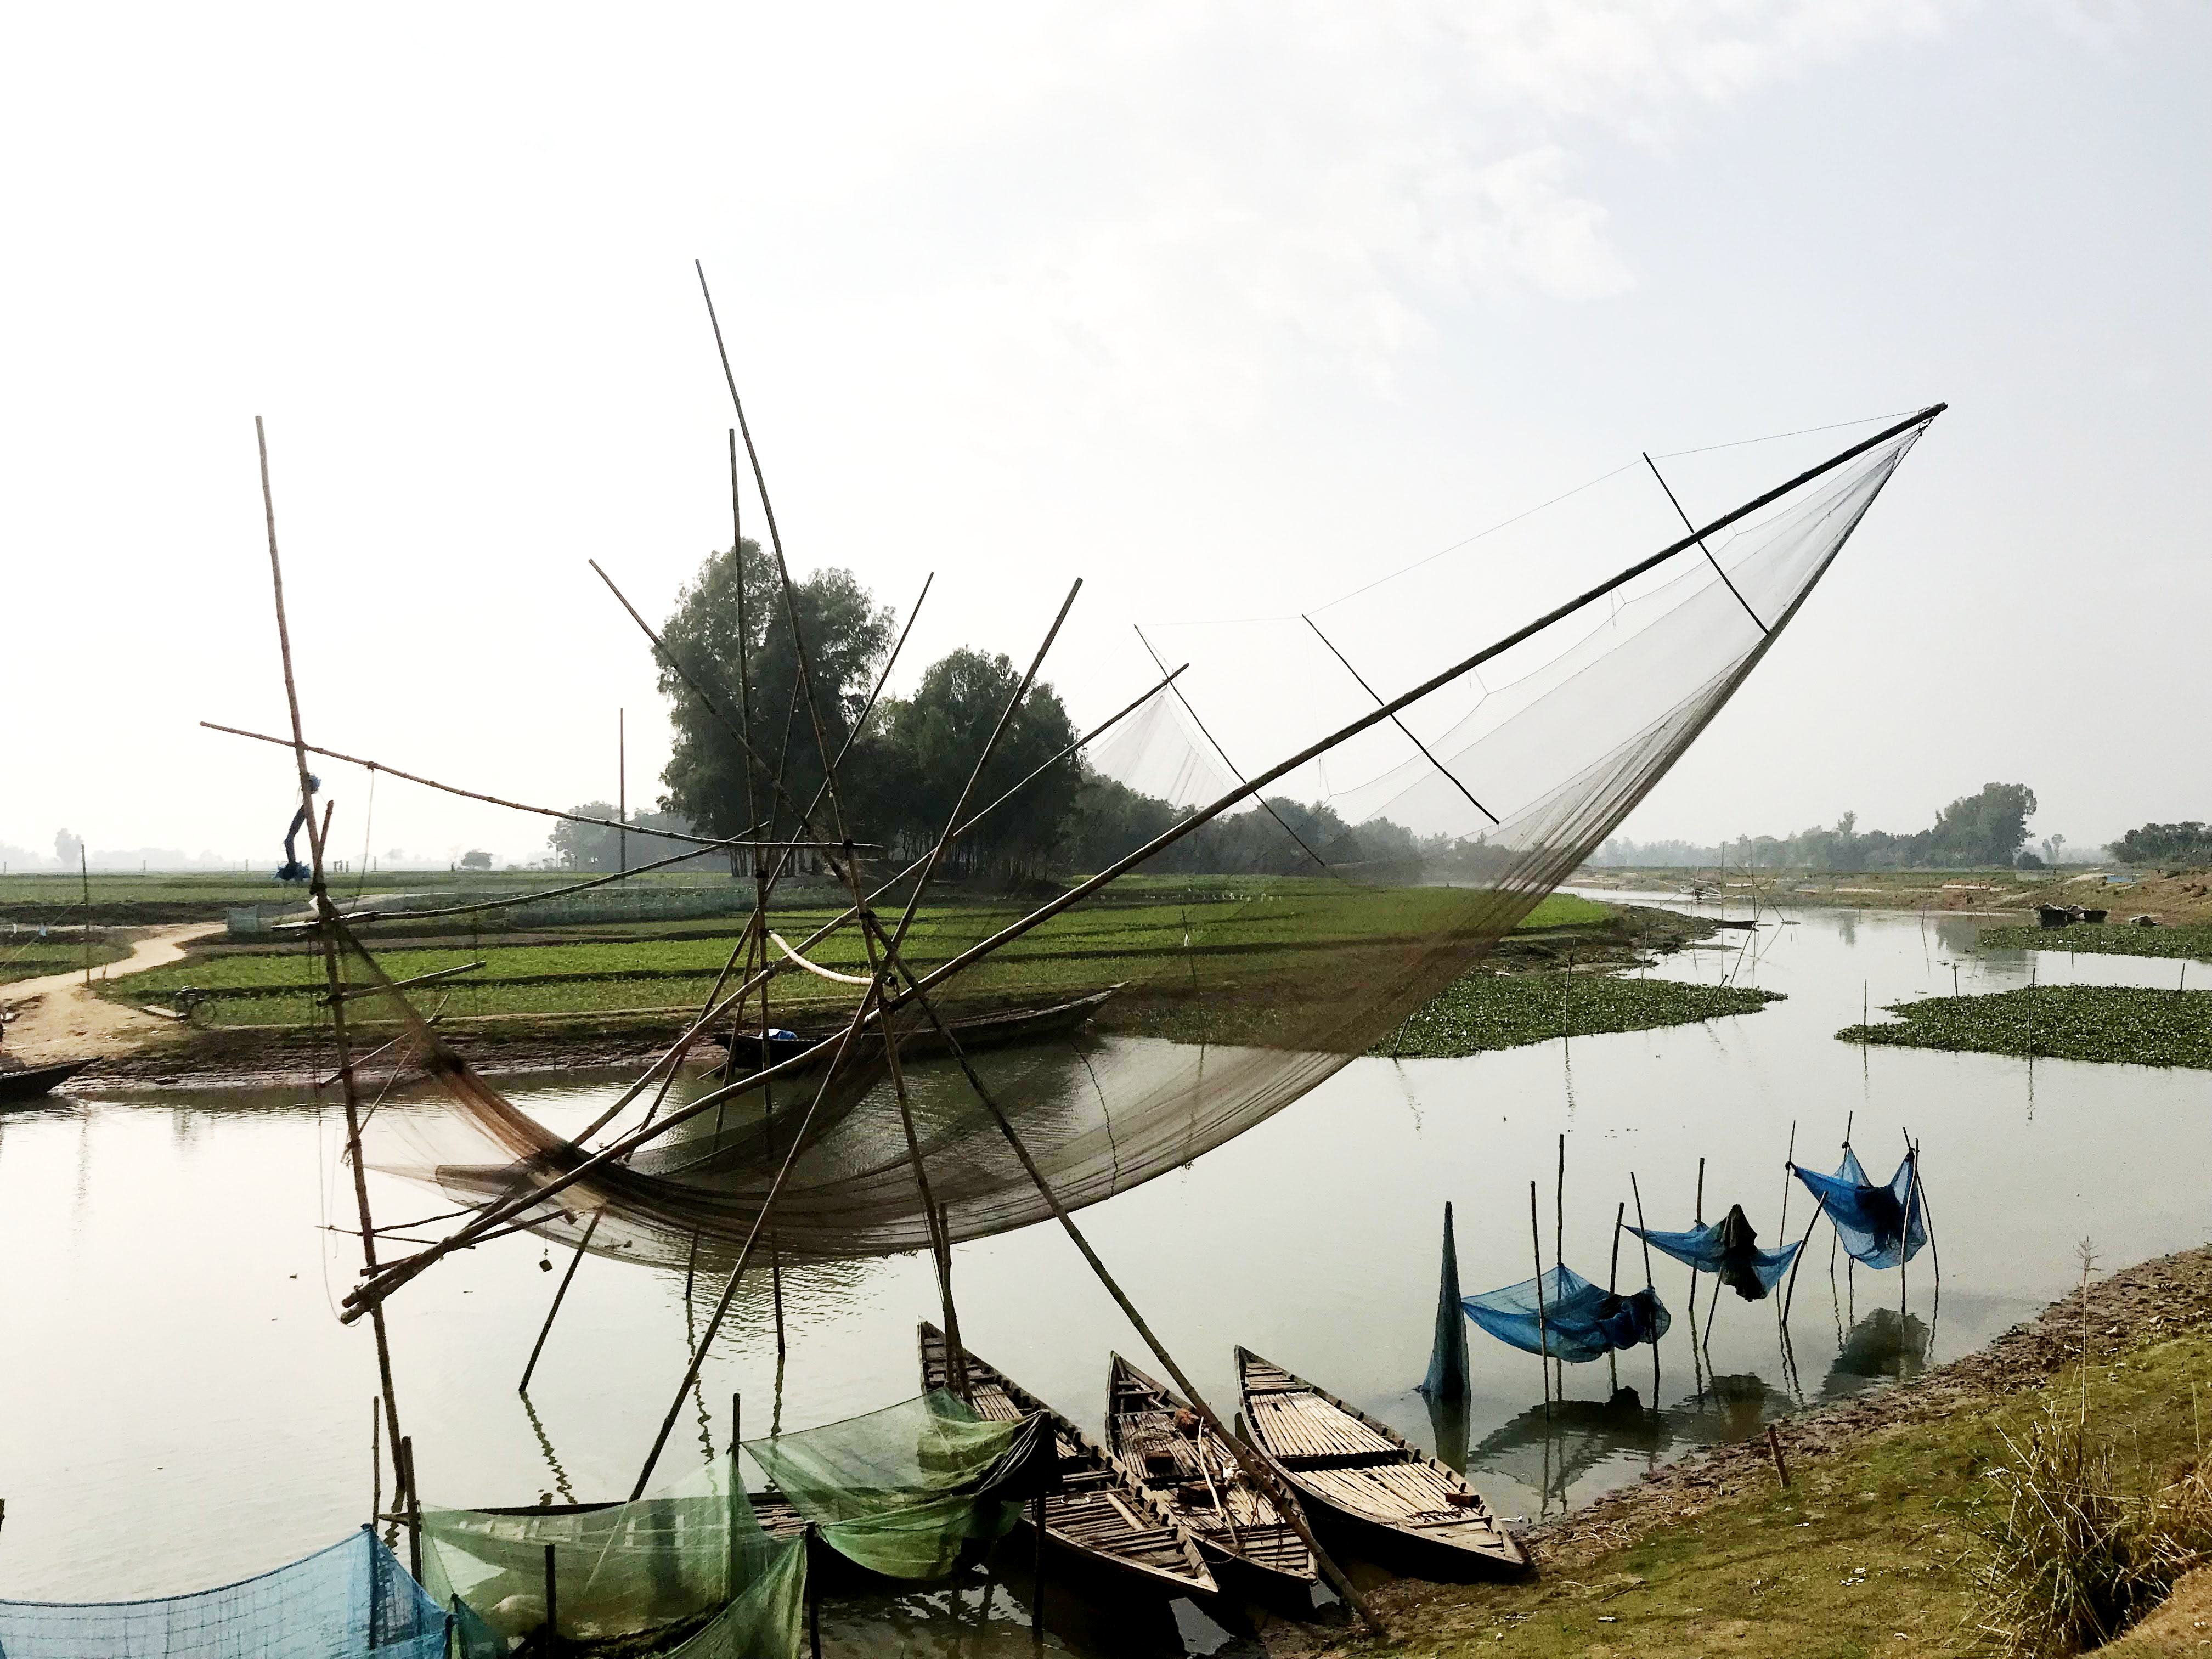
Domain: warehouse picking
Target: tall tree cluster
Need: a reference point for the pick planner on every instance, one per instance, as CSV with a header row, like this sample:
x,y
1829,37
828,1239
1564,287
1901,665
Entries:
x,y
903,775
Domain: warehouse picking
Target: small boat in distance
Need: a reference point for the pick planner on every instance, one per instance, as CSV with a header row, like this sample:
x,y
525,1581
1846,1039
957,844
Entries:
x,y
1103,1513
1344,1462
1158,1436
1001,1029
29,1082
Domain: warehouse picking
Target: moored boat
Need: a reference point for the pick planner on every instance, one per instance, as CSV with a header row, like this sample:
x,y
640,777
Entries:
x,y
1343,1462
1000,1030
29,1082
1237,1524
1103,1513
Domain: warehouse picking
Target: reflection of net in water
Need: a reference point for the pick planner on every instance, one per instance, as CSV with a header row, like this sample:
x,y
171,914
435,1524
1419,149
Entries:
x,y
1884,1347
1263,986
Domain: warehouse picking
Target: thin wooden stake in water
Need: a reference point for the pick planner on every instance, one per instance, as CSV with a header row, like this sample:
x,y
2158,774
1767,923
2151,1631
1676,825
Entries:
x,y
1613,1274
1559,1252
1543,1342
1649,1284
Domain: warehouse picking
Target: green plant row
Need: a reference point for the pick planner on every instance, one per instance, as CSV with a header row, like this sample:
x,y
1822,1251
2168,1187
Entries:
x,y
2111,1023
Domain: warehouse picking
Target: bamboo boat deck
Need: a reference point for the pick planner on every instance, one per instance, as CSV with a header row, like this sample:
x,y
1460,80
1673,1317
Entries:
x,y
1345,1462
1156,1433
1104,1509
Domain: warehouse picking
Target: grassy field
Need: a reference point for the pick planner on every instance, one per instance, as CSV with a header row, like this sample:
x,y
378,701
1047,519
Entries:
x,y
2113,1022
2193,942
33,958
130,900
1243,956
1872,1549
1486,1011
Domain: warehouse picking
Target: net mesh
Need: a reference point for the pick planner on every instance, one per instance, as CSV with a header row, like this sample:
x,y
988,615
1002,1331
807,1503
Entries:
x,y
1576,1320
900,1491
1224,996
1884,1225
1730,1248
675,1555
352,1598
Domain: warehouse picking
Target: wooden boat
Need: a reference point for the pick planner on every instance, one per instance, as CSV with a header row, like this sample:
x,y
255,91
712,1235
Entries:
x,y
1001,1029
29,1082
1343,1461
1103,1513
1158,1435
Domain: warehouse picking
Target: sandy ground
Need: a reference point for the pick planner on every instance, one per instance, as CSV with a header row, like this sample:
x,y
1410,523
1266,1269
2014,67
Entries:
x,y
56,1018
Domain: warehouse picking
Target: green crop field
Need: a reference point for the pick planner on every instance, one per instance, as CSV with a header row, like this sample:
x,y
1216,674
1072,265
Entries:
x,y
2111,1023
1265,946
32,958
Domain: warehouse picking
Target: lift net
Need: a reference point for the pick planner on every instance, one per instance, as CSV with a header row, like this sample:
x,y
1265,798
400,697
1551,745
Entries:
x,y
1728,1247
1881,1225
1236,968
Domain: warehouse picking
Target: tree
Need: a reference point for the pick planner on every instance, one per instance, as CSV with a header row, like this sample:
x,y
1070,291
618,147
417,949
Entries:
x,y
1988,828
69,848
2187,843
936,737
476,858
732,614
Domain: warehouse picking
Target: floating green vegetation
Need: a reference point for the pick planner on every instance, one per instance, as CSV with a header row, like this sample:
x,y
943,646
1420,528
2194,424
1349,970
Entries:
x,y
1486,1011
2194,941
2115,1023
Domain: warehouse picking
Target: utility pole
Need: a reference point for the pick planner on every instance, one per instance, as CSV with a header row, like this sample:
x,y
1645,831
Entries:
x,y
622,790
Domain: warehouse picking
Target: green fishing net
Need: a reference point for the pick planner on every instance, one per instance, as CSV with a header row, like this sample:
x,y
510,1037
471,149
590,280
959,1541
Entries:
x,y
900,1491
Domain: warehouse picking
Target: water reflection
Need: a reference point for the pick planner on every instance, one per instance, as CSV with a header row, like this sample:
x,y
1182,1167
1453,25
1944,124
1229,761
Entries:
x,y
1551,1450
1885,1347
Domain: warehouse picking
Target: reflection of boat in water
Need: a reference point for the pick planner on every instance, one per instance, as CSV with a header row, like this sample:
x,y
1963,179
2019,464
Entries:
x,y
996,1030
30,1082
1341,1461
1548,1454
1884,1347
1162,1440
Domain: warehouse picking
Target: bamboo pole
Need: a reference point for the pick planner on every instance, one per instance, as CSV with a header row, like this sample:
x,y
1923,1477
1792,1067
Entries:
x,y
1395,721
324,911
1649,1284
1723,575
1928,1221
1559,1252
1543,1337
1611,1275
84,870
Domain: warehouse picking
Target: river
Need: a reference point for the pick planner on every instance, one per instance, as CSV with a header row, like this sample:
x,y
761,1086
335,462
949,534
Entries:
x,y
178,1405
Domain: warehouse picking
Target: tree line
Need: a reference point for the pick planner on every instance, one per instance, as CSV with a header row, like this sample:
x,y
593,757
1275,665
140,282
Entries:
x,y
1989,827
899,779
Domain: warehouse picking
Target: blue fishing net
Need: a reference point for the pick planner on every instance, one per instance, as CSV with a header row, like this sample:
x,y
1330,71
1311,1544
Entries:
x,y
352,1598
1580,1321
1730,1248
1883,1226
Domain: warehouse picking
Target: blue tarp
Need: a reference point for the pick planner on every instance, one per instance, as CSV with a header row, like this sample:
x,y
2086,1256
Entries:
x,y
1730,1248
1581,1321
1883,1226
352,1599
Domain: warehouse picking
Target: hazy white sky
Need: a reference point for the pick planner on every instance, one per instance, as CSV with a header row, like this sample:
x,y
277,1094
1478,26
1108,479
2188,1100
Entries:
x,y
1225,308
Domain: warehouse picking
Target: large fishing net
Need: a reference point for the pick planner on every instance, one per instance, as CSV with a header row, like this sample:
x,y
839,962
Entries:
x,y
352,1598
1165,1014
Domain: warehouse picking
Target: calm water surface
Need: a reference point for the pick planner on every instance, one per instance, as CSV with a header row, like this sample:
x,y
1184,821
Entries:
x,y
178,1405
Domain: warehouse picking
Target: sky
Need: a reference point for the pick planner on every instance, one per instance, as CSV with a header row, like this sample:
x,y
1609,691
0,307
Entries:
x,y
1227,310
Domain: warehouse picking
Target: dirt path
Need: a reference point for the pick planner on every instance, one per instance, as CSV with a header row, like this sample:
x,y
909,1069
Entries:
x,y
58,1018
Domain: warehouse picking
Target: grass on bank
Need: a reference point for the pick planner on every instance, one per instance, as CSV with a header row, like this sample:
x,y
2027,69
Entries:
x,y
35,958
2112,1023
1486,1011
2194,941
1225,959
1881,1547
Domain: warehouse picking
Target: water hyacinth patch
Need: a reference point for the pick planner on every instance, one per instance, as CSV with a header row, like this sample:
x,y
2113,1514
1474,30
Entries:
x,y
2111,1023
